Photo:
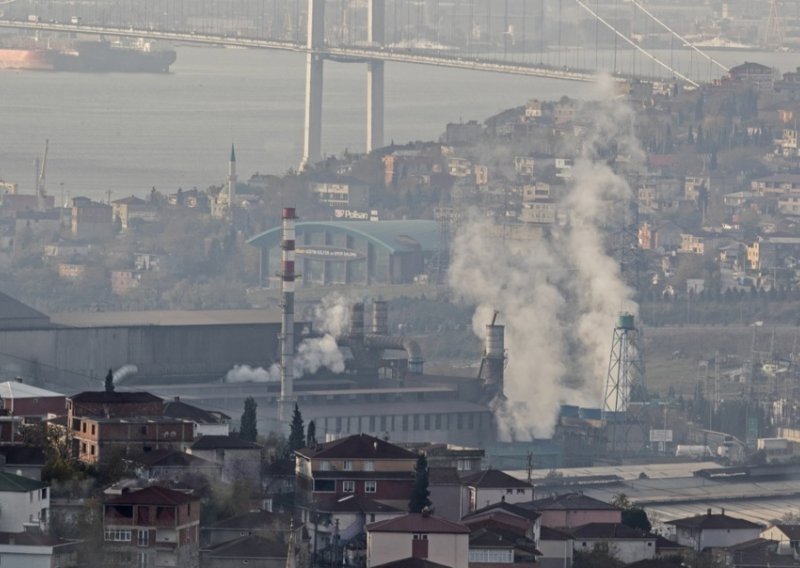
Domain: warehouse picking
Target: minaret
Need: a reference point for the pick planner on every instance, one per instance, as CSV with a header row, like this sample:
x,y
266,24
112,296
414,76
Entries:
x,y
232,178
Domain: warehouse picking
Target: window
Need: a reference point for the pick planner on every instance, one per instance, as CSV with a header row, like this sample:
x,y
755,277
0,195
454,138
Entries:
x,y
420,536
325,485
520,492
142,537
44,493
369,465
93,429
143,560
405,423
83,447
370,486
347,465
509,491
325,465
502,556
349,486
118,535
84,427
91,449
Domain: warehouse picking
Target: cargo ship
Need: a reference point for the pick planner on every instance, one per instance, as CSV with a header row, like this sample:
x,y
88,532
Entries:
x,y
139,56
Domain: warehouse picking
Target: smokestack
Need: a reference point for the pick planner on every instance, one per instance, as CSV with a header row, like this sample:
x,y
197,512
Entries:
x,y
287,315
357,320
495,350
380,317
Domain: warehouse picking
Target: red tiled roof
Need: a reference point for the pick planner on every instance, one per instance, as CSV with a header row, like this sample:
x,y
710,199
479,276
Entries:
x,y
493,479
418,523
713,521
359,446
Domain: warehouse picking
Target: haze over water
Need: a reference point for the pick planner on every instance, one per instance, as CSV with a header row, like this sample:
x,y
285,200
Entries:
x,y
129,132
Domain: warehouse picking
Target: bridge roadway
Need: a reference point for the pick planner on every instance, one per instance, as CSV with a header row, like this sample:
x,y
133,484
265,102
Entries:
x,y
347,54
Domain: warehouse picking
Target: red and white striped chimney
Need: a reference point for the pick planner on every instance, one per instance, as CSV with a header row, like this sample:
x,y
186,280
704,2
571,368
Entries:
x,y
285,404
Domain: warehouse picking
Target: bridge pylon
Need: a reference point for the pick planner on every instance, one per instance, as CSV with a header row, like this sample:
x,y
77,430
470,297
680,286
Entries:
x,y
315,42
375,75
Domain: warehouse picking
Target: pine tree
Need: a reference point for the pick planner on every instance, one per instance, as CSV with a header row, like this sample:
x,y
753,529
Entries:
x,y
311,434
419,492
297,436
110,381
247,428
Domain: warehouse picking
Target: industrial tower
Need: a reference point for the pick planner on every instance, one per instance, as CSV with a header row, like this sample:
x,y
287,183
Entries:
x,y
624,384
773,34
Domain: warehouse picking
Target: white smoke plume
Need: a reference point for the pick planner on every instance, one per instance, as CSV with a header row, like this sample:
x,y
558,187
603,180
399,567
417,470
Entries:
x,y
332,317
558,296
123,372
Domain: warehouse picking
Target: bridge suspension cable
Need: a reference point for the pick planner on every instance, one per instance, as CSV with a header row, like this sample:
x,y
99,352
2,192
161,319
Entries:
x,y
636,46
683,40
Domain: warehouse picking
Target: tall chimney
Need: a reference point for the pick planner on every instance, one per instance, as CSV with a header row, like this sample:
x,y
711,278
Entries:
x,y
380,317
495,353
287,315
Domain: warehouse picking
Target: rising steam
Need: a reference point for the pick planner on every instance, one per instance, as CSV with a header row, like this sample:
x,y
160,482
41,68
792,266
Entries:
x,y
124,372
559,295
332,317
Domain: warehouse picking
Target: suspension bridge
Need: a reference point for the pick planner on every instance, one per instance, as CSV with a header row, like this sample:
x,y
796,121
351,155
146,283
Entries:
x,y
571,40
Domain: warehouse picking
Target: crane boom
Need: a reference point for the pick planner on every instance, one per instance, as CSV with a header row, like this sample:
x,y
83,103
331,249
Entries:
x,y
41,187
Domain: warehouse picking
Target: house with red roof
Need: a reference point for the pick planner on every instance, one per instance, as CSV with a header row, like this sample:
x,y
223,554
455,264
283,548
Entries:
x,y
418,535
154,526
360,465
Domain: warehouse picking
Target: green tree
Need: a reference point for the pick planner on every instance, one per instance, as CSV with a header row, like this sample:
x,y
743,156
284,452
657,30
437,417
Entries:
x,y
110,381
247,426
297,436
420,495
311,434
632,515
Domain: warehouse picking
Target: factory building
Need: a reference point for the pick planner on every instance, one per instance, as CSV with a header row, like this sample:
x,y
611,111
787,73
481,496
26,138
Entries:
x,y
353,252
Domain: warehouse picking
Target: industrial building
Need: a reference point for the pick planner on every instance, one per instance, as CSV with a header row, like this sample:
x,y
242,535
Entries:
x,y
354,252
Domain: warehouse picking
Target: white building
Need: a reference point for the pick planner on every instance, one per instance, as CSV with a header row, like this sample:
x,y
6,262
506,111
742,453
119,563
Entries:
x,y
484,488
624,543
787,536
34,550
418,536
713,531
25,503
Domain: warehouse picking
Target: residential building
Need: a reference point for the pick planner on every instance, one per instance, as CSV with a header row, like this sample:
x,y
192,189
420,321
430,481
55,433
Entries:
x,y
490,547
557,548
787,536
507,517
207,423
30,402
356,465
573,510
761,76
664,235
444,485
38,221
348,517
37,550
66,249
238,458
418,535
713,530
125,281
80,272
542,211
128,210
776,185
484,488
91,220
26,503
698,242
251,551
148,261
174,465
27,461
252,523
154,526
106,423
624,543
97,438
768,252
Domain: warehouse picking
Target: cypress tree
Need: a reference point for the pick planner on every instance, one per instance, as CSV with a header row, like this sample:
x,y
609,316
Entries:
x,y
297,436
247,428
419,492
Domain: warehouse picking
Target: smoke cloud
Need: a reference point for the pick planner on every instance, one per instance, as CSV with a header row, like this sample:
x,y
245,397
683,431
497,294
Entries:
x,y
558,295
332,317
123,372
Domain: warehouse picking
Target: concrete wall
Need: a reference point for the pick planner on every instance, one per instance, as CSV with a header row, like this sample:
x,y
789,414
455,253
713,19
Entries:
x,y
69,356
